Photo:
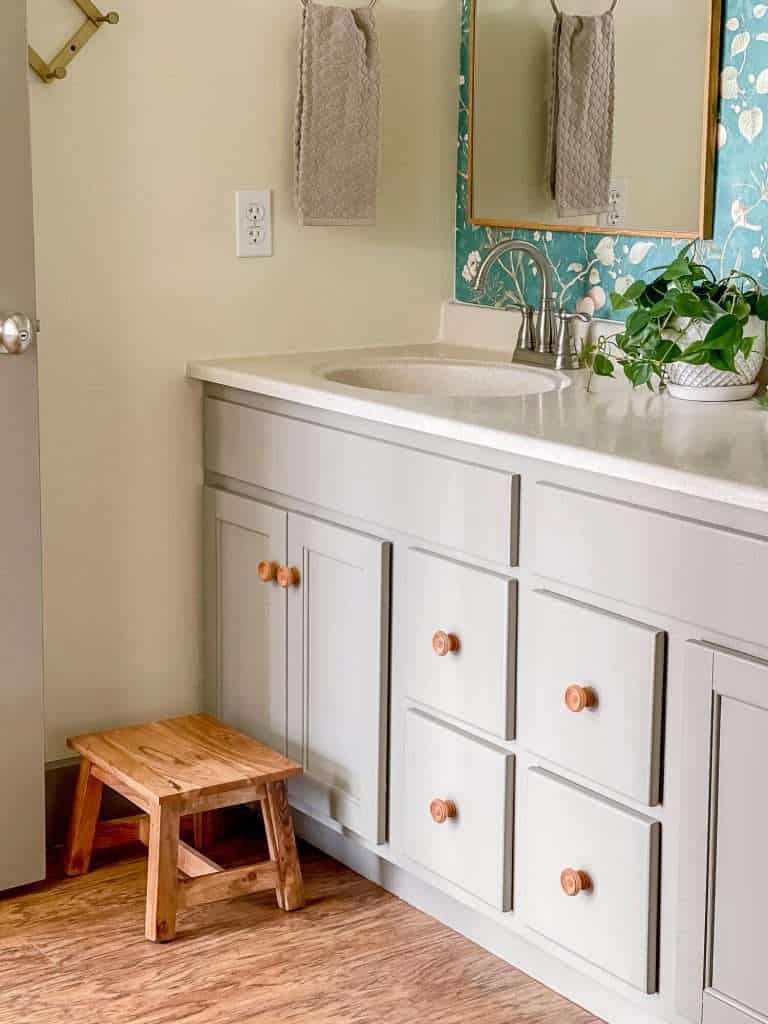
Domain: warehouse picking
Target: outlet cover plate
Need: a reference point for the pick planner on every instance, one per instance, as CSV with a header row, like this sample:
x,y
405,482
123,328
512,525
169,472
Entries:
x,y
253,222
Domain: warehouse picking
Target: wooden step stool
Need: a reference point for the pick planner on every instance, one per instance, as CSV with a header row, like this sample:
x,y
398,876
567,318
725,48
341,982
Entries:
x,y
183,766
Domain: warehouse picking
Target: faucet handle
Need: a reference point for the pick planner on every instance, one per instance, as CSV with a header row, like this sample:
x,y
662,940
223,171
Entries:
x,y
566,350
526,338
586,318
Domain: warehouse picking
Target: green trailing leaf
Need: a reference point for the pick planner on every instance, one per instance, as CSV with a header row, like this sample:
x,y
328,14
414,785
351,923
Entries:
x,y
725,333
677,270
638,373
686,304
723,359
663,307
638,321
602,365
635,291
620,301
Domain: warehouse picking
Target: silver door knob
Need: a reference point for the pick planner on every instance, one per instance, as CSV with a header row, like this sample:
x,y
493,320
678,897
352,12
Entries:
x,y
17,332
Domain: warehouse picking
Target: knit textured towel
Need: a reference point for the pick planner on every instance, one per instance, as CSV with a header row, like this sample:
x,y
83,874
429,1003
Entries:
x,y
580,150
337,117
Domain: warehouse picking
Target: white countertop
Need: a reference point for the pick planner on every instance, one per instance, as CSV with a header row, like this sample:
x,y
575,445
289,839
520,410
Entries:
x,y
714,451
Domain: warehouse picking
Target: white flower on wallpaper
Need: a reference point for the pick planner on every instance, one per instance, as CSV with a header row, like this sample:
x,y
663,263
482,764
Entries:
x,y
751,123
639,252
740,43
605,250
471,267
588,267
729,83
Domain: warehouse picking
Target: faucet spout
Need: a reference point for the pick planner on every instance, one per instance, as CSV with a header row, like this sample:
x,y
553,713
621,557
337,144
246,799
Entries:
x,y
544,326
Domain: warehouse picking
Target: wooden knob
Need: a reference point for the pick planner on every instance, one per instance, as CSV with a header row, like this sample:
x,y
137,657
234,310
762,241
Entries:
x,y
573,882
288,576
442,810
578,698
444,643
267,571
113,18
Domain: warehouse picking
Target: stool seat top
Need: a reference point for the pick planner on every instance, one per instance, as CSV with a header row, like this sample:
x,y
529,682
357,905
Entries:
x,y
188,757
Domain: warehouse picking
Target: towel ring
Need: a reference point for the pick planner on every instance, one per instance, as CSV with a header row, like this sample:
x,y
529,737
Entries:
x,y
555,8
372,3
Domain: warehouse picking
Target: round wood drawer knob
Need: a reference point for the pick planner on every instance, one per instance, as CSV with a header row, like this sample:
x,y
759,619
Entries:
x,y
573,882
267,571
444,643
288,576
579,698
442,810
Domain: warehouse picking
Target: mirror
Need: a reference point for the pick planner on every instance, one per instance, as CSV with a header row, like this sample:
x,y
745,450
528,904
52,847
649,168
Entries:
x,y
662,155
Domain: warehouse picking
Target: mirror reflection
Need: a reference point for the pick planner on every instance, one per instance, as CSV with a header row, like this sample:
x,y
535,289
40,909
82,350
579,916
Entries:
x,y
586,116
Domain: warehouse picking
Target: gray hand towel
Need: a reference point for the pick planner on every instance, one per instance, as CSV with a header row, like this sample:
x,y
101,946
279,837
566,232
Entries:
x,y
337,117
580,149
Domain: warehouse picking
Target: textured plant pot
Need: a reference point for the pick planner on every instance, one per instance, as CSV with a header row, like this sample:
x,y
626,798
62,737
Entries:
x,y
748,369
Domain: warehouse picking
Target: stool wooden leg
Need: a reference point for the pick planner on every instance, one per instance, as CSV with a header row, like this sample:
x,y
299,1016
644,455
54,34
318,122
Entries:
x,y
269,828
291,885
82,825
203,828
162,873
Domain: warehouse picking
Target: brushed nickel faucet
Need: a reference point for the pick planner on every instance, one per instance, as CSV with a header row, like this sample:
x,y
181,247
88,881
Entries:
x,y
551,343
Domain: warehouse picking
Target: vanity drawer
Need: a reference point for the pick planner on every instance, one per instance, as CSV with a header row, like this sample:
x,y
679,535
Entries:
x,y
576,840
455,504
652,559
470,785
594,693
476,610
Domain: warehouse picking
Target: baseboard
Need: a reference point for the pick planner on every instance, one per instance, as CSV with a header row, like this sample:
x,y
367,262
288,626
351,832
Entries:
x,y
508,945
60,780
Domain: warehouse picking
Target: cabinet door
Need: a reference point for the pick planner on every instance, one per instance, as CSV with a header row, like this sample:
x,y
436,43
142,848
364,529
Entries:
x,y
723,905
246,618
739,843
338,673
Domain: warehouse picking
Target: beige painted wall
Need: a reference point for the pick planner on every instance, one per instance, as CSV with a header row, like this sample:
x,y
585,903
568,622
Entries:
x,y
136,157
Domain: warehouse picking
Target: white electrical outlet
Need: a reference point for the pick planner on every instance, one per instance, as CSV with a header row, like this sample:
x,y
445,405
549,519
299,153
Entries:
x,y
253,222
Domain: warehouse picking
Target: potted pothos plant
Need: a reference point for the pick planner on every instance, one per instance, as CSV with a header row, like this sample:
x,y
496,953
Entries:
x,y
702,337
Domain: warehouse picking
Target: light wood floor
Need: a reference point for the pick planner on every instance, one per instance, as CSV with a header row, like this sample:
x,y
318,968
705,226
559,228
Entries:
x,y
73,950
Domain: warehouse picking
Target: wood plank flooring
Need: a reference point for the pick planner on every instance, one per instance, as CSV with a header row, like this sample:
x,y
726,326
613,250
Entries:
x,y
73,950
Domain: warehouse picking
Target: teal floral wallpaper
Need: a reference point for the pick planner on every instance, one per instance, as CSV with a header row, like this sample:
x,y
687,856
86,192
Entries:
x,y
589,267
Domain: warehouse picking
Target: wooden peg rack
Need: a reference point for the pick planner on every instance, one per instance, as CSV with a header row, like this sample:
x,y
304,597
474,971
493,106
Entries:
x,y
57,68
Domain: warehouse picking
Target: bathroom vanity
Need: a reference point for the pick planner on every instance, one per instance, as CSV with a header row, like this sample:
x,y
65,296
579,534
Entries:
x,y
518,644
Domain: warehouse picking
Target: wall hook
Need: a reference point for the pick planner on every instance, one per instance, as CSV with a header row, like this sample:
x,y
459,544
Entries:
x,y
56,69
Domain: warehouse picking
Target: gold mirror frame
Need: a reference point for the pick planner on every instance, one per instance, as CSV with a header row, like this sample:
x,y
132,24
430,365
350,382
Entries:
x,y
709,151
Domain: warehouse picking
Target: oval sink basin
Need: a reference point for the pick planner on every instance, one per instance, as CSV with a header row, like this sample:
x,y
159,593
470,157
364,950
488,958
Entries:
x,y
455,378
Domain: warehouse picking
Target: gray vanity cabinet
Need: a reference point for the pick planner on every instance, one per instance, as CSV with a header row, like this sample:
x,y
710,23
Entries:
x,y
737,985
303,666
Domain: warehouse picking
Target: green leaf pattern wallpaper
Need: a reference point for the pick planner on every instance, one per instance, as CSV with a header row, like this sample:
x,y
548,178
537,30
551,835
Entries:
x,y
588,267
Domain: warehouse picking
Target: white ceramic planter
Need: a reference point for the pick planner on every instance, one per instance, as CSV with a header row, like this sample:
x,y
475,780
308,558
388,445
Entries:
x,y
707,384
